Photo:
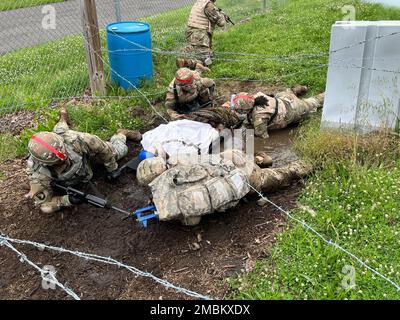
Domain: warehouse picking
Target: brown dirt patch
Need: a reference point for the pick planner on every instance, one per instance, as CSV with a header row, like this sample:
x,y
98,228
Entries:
x,y
15,123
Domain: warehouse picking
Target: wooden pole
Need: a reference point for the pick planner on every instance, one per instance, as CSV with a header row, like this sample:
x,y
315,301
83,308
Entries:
x,y
93,47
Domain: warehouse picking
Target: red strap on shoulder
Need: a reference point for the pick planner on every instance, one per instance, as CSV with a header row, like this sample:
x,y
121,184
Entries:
x,y
59,154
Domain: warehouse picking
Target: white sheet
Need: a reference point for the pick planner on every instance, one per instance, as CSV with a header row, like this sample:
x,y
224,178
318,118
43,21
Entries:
x,y
180,137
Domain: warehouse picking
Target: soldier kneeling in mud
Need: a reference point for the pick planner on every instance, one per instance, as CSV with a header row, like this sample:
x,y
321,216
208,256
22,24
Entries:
x,y
186,189
189,92
64,156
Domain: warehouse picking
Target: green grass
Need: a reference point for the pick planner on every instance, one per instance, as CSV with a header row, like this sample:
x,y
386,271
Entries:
x,y
356,207
31,78
10,147
17,4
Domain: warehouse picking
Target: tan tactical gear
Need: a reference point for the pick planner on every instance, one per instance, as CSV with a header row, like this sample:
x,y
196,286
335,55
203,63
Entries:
x,y
55,204
130,134
190,189
189,92
79,149
149,169
197,17
202,21
195,190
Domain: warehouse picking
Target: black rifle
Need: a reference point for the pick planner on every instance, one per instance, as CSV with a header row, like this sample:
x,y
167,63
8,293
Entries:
x,y
227,18
140,214
88,198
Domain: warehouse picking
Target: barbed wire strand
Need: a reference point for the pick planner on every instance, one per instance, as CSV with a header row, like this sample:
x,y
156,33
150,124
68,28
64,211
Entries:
x,y
110,261
46,275
328,242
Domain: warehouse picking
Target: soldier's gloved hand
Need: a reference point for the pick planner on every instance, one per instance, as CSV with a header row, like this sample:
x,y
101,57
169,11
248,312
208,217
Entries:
x,y
113,175
74,200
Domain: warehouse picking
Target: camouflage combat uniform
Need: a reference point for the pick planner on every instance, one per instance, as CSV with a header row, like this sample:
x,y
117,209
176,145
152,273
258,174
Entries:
x,y
203,19
281,110
186,190
81,148
180,100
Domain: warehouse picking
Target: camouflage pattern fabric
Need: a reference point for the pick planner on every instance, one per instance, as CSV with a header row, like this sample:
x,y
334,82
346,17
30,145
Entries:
x,y
188,191
215,116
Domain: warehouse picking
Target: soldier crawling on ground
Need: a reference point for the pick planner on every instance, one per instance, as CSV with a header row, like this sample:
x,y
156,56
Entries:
x,y
261,111
270,112
203,19
64,156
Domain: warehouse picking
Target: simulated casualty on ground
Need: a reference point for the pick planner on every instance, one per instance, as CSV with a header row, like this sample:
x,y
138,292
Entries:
x,y
200,150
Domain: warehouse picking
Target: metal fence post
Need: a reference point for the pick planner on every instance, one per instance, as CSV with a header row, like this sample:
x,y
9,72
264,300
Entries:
x,y
117,6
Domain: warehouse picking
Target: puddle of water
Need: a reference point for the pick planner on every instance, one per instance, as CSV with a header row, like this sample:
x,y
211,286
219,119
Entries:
x,y
279,146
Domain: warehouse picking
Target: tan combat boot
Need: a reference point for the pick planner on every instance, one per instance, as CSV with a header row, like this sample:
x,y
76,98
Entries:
x,y
263,160
299,90
64,116
321,99
132,135
180,63
201,67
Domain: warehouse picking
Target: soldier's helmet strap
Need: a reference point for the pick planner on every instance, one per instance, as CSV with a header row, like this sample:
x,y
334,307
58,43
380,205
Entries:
x,y
59,154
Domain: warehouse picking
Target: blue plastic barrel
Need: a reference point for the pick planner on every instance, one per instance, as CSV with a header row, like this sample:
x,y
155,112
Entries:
x,y
129,47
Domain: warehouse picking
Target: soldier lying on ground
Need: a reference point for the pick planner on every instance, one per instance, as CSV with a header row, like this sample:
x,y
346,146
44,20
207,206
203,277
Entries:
x,y
203,19
189,92
64,156
186,190
267,112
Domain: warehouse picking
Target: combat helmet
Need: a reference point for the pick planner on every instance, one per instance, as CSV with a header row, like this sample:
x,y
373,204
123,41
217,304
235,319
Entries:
x,y
184,76
47,148
242,102
149,169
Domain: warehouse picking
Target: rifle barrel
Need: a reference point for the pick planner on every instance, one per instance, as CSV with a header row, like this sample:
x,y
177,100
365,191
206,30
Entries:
x,y
121,211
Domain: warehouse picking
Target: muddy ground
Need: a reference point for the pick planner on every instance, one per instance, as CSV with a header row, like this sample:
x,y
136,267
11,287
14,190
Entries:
x,y
200,258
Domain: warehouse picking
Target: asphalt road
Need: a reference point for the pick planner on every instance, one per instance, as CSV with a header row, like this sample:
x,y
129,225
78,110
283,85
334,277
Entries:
x,y
22,28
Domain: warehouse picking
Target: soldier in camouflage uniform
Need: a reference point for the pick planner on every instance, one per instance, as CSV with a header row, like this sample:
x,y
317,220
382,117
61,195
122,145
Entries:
x,y
266,112
185,189
203,19
64,156
189,92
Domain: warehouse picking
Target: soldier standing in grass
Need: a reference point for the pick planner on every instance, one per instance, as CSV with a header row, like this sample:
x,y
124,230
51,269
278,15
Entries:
x,y
189,92
64,156
203,19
